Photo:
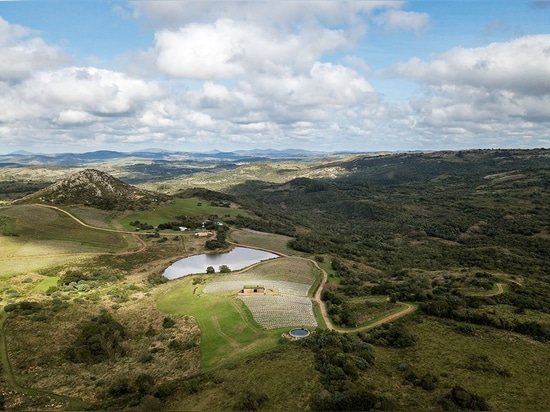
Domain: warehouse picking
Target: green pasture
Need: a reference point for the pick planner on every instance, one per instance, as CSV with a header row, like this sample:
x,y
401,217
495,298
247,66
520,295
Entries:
x,y
41,223
228,332
94,217
180,207
46,237
11,267
268,241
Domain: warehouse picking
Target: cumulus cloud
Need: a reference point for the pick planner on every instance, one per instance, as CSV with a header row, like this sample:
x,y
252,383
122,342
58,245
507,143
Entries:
x,y
490,94
521,66
21,53
272,73
88,89
228,49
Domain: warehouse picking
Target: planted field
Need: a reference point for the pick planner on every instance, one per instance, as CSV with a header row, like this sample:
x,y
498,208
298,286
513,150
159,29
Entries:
x,y
269,241
273,286
286,302
288,269
280,311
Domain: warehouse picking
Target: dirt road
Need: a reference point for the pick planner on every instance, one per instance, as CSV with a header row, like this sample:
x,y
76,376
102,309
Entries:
x,y
317,297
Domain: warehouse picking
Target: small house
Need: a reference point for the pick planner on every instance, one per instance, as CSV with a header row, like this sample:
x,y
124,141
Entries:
x,y
253,290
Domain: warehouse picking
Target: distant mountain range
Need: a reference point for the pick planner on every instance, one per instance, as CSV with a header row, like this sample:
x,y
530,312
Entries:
x,y
25,158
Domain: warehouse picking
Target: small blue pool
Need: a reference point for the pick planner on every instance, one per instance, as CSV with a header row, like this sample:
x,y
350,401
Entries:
x,y
299,333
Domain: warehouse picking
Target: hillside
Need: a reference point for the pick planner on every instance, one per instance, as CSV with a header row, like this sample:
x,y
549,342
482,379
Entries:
x,y
97,189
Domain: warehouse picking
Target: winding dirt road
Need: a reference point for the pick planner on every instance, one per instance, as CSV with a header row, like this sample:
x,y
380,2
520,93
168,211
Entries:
x,y
389,318
80,222
499,291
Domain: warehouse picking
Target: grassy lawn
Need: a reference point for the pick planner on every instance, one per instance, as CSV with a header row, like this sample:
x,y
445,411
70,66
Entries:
x,y
228,332
180,207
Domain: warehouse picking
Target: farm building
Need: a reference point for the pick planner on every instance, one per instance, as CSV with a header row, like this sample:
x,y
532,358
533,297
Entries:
x,y
251,290
203,234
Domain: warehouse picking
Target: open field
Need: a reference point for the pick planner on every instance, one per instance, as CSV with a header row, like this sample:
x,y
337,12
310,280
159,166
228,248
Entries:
x,y
39,223
95,217
44,237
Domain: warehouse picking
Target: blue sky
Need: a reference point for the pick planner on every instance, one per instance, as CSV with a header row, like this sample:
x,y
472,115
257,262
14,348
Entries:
x,y
319,75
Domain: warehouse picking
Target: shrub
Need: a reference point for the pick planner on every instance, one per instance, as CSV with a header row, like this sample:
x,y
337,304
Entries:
x,y
168,323
100,339
150,403
464,400
250,401
144,383
393,335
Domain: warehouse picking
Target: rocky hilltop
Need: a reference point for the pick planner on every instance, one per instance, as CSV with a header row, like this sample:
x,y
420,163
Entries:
x,y
95,188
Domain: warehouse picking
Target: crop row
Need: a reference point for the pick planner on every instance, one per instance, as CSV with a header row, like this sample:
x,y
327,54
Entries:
x,y
279,311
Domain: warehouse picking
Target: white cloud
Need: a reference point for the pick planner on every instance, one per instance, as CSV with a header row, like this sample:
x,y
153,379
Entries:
x,y
96,91
521,66
490,93
21,54
74,117
403,20
229,49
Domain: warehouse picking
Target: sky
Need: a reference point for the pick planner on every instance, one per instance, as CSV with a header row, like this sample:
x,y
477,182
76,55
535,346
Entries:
x,y
83,75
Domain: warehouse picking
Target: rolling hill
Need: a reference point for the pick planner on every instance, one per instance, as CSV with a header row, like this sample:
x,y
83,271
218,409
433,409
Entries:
x,y
98,189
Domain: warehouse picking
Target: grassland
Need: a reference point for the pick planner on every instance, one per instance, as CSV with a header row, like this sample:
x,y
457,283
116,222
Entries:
x,y
276,172
496,365
43,237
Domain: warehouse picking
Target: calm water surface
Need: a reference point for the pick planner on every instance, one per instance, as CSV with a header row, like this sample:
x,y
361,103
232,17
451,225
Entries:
x,y
238,258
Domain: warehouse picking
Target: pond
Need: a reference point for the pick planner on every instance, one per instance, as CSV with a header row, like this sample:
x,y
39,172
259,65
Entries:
x,y
237,258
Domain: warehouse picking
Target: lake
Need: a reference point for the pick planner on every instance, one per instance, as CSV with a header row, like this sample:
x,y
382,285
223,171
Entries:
x,y
238,258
